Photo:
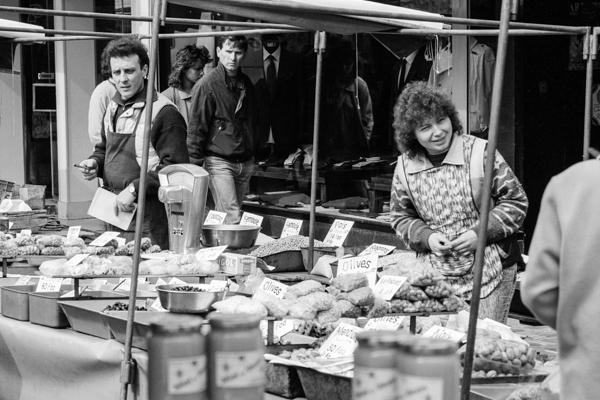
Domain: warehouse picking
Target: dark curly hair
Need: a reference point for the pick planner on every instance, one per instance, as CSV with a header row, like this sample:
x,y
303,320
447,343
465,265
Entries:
x,y
123,47
418,102
185,58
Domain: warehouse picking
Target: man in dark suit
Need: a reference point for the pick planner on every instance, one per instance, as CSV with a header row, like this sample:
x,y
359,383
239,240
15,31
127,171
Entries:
x,y
280,99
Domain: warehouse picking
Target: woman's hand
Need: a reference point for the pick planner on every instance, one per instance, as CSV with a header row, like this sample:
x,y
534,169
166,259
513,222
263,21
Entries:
x,y
439,243
465,243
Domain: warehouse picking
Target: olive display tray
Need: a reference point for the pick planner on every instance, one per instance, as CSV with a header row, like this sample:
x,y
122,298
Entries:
x,y
321,386
117,324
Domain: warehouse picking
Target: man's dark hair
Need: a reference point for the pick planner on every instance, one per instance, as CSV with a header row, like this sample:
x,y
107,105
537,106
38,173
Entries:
x,y
123,47
185,58
238,41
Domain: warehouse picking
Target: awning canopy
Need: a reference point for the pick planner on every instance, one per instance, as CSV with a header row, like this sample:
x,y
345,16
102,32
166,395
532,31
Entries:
x,y
330,20
7,23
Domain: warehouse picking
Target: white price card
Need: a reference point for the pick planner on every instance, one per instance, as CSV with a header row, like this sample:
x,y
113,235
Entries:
x,y
360,264
156,305
291,227
46,284
271,287
121,241
251,219
379,249
71,293
387,323
10,224
125,284
76,260
387,286
280,328
104,238
160,281
73,232
341,342
176,281
25,232
215,217
338,232
440,332
210,253
23,280
217,285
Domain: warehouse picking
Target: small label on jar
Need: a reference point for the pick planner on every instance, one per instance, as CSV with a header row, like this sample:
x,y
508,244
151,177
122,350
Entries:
x,y
239,369
412,387
374,383
186,375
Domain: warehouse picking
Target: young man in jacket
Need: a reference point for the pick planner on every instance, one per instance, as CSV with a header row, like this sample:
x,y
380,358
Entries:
x,y
221,127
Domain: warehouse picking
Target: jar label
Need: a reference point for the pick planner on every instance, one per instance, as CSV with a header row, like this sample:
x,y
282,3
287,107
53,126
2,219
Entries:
x,y
374,383
186,375
412,387
239,369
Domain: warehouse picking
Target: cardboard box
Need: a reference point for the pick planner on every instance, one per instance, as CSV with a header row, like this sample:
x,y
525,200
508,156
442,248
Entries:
x,y
237,264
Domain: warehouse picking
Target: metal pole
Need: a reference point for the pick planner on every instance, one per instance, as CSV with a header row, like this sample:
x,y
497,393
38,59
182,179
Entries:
x,y
319,49
485,198
589,54
127,364
473,32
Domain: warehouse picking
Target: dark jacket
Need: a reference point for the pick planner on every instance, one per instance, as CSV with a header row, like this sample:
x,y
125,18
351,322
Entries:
x,y
282,112
222,117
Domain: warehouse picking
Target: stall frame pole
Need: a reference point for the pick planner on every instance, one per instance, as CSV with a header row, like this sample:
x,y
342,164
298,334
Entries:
x,y
589,54
128,364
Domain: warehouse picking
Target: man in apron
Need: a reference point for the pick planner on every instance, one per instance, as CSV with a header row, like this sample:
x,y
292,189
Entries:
x,y
118,156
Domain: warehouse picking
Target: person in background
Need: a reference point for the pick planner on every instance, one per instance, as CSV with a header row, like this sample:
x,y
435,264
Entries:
x,y
118,156
187,70
562,279
221,133
436,194
99,100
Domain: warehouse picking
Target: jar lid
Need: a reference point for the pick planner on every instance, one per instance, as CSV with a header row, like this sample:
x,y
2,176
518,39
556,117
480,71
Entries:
x,y
431,346
381,338
233,321
171,323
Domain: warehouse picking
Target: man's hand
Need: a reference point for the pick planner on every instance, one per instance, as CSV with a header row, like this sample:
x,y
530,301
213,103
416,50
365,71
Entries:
x,y
465,243
125,201
89,169
439,243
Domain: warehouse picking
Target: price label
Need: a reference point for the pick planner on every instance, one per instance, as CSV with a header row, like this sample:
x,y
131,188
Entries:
x,y
25,232
160,281
280,328
291,227
338,232
379,249
388,323
156,305
23,280
440,332
46,284
387,286
251,219
75,260
215,218
10,225
210,253
73,232
176,281
361,264
341,342
71,293
104,238
271,287
120,241
217,285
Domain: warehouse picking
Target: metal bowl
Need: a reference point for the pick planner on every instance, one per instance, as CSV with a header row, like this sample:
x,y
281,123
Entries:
x,y
235,236
186,301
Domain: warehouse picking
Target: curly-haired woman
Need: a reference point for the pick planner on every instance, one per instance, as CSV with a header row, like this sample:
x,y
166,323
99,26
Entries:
x,y
187,70
436,195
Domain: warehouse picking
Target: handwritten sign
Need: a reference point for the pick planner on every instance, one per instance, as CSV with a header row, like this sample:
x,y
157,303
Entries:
x,y
251,219
361,264
120,241
291,227
73,232
338,232
387,323
23,280
272,288
75,260
341,342
387,286
440,332
215,217
210,253
379,249
25,232
280,328
104,238
46,284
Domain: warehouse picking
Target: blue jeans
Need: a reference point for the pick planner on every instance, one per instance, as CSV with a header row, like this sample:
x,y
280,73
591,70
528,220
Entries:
x,y
229,183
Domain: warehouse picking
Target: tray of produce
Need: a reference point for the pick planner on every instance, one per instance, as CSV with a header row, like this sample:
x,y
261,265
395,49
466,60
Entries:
x,y
116,319
190,298
284,254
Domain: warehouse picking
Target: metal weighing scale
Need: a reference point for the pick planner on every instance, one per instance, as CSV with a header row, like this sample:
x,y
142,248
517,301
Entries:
x,y
183,189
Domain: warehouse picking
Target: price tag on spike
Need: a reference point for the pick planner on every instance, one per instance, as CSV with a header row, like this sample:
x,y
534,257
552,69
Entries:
x,y
338,232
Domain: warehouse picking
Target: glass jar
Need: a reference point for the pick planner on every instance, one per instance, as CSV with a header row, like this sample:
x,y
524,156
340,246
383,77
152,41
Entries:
x,y
427,369
177,359
236,357
375,366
